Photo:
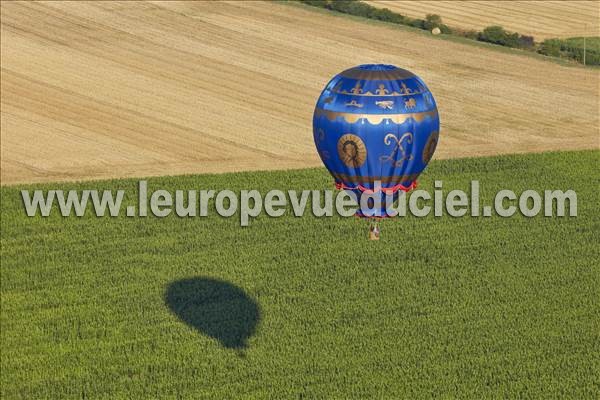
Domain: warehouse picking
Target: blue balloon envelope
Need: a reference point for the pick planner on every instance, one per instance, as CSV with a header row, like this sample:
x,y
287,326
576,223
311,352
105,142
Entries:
x,y
376,127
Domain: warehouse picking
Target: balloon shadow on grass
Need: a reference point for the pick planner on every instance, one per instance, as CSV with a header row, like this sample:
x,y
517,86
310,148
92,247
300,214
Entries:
x,y
215,308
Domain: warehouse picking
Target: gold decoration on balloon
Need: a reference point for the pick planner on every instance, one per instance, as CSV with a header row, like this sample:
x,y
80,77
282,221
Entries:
x,y
430,146
392,157
385,104
405,89
356,89
410,103
375,119
353,103
352,150
380,92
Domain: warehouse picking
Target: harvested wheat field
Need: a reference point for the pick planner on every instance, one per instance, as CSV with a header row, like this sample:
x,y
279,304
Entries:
x,y
98,90
541,19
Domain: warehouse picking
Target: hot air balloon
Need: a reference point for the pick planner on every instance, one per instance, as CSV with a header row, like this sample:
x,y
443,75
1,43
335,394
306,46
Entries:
x,y
376,123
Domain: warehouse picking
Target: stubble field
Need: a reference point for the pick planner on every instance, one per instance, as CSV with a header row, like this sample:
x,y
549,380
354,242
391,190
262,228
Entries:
x,y
98,90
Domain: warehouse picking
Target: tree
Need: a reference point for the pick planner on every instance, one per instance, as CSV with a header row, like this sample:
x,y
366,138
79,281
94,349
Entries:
x,y
432,21
550,47
526,42
493,34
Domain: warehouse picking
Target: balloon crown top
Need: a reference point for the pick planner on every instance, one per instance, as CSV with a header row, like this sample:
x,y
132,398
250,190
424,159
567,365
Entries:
x,y
377,67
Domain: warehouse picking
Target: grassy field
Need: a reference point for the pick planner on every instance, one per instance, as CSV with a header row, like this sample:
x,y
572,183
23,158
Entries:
x,y
307,307
542,19
98,90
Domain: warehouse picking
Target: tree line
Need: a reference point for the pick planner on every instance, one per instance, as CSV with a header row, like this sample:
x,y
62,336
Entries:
x,y
572,49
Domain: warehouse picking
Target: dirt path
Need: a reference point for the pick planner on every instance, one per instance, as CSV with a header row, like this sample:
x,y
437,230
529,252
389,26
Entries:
x,y
97,90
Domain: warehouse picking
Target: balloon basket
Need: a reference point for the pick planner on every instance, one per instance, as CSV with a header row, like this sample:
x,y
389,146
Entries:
x,y
374,230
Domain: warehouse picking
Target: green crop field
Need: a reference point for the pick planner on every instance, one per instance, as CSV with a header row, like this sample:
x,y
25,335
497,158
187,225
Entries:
x,y
307,307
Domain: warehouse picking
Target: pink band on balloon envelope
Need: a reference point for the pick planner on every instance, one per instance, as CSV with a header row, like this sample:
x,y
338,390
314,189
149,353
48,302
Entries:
x,y
392,190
